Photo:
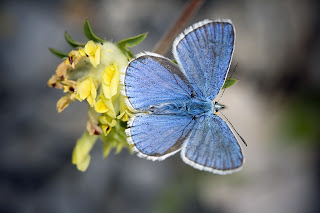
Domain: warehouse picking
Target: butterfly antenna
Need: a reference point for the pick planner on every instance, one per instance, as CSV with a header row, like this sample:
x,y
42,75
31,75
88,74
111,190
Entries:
x,y
234,129
233,71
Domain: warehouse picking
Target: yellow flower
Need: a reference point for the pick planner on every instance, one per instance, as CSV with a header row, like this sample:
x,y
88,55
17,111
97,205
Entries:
x,y
74,57
59,76
82,52
62,70
80,155
105,106
87,90
55,82
107,124
92,72
64,102
110,80
100,107
125,113
93,51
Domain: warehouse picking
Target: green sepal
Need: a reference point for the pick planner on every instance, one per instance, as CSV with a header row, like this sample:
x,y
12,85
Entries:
x,y
89,33
133,41
58,53
72,42
107,146
116,139
130,42
229,82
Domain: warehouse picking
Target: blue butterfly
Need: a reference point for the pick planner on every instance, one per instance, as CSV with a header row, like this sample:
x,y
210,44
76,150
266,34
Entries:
x,y
173,104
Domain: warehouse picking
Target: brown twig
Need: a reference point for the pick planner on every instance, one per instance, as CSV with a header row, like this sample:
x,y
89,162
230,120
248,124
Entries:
x,y
163,46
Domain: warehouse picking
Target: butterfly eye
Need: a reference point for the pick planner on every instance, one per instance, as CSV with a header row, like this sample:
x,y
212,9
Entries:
x,y
218,107
193,94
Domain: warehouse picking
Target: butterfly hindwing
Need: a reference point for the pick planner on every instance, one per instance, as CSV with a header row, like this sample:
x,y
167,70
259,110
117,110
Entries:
x,y
156,137
212,146
204,52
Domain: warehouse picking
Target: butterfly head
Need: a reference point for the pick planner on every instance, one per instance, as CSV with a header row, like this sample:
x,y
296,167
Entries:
x,y
215,107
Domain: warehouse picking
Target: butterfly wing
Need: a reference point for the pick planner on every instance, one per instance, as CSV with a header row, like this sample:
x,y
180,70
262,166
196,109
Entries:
x,y
151,79
204,53
212,146
156,137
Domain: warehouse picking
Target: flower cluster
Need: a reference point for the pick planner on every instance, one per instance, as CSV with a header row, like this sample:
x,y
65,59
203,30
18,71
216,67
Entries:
x,y
91,72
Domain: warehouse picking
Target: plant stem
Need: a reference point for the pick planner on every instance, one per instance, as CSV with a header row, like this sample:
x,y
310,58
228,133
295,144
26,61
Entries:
x,y
163,46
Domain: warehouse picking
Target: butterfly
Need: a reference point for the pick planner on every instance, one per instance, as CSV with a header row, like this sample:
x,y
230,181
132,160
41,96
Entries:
x,y
173,104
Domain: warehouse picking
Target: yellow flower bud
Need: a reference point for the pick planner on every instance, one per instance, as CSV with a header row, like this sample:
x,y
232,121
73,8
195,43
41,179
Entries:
x,y
107,124
73,58
93,50
80,155
64,102
82,52
110,80
125,113
124,116
62,70
87,90
100,107
104,105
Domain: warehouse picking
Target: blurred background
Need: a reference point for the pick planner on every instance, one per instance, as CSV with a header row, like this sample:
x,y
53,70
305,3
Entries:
x,y
274,106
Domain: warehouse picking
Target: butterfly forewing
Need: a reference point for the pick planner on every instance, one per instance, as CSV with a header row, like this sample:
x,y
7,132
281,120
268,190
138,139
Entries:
x,y
151,79
204,53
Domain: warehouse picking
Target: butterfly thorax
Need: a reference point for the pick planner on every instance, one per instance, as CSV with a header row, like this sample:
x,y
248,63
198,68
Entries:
x,y
193,106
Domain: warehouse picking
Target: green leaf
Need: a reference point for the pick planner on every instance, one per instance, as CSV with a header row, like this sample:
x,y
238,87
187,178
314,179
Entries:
x,y
106,149
117,139
133,41
130,42
89,33
72,42
229,82
109,142
58,53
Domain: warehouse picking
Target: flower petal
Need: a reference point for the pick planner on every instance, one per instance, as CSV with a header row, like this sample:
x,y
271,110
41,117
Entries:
x,y
80,155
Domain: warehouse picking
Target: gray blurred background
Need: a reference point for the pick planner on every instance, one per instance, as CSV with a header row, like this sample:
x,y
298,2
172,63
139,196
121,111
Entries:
x,y
274,106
